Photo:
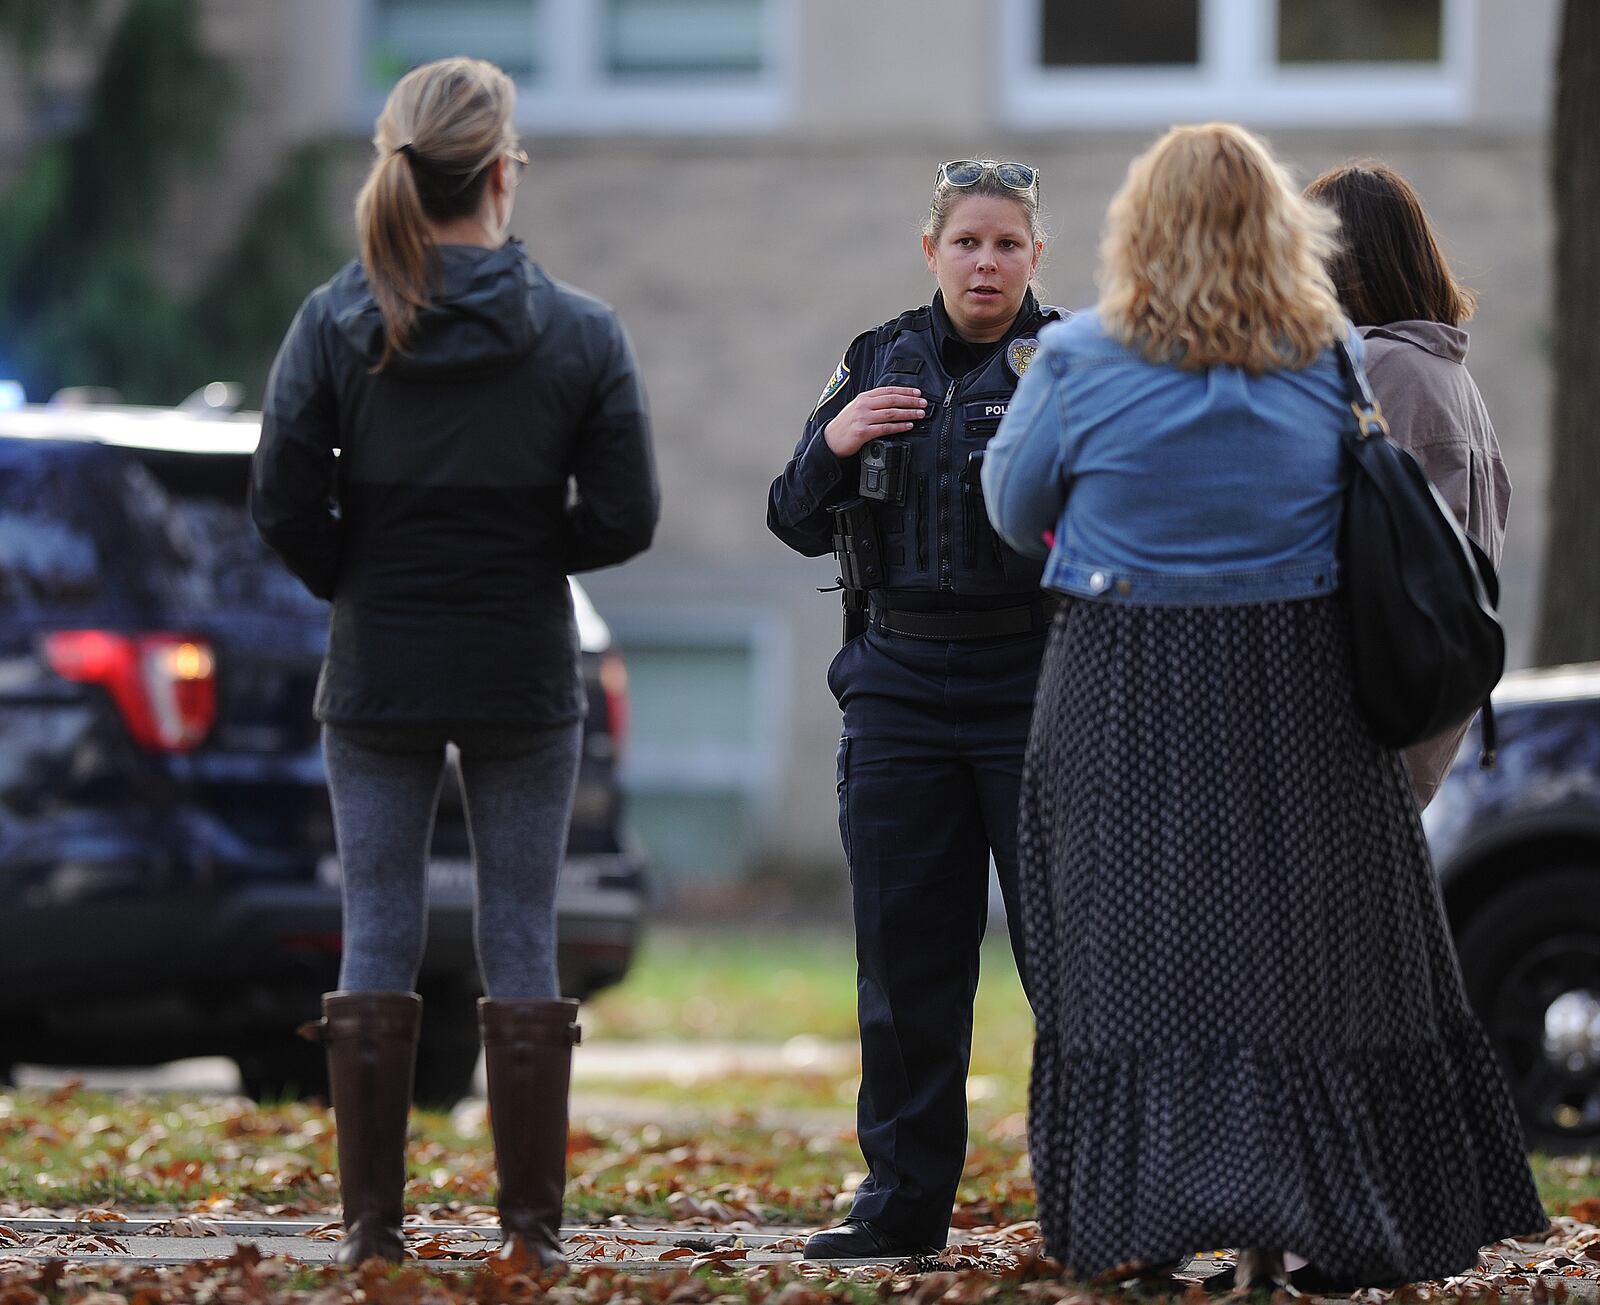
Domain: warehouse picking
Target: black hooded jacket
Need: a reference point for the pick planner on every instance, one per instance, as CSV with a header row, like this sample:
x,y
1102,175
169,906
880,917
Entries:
x,y
442,502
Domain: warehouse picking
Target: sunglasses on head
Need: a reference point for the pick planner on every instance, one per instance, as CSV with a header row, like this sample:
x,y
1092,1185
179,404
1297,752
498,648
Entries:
x,y
961,173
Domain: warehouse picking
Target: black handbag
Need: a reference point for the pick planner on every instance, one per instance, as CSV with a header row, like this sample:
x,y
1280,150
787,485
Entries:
x,y
1426,644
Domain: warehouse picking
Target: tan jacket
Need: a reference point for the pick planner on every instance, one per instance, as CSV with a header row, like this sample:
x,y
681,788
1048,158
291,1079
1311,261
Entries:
x,y
1436,414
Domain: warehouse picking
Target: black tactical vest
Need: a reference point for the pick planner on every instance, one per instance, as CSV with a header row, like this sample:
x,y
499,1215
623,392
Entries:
x,y
940,537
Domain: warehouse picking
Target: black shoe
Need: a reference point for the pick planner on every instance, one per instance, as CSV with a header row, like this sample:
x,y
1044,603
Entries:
x,y
1312,1281
856,1239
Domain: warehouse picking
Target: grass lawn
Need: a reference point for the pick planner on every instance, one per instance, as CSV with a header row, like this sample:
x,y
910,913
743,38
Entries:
x,y
773,1147
70,1149
730,987
726,986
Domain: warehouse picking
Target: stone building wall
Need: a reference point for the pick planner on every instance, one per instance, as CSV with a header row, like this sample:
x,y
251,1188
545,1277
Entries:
x,y
743,269
742,266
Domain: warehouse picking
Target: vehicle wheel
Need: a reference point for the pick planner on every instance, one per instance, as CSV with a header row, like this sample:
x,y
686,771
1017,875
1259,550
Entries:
x,y
290,1068
284,1069
447,1060
1531,960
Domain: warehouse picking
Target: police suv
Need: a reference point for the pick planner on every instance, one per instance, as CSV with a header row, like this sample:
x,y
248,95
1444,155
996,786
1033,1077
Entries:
x,y
167,860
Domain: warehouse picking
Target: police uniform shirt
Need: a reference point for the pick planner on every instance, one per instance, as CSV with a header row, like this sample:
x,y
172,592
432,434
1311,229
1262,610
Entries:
x,y
921,349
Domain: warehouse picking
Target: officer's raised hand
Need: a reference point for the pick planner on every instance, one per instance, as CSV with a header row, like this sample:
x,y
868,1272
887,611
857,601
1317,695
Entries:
x,y
872,414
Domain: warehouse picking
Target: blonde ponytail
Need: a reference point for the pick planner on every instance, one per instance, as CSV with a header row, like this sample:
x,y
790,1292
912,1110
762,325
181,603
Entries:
x,y
442,127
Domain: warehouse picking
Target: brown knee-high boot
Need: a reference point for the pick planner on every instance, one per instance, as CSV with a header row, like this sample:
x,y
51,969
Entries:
x,y
527,1053
371,1039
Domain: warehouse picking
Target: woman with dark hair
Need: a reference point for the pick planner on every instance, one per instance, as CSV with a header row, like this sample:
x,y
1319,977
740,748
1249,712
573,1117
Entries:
x,y
492,439
1395,284
1251,1024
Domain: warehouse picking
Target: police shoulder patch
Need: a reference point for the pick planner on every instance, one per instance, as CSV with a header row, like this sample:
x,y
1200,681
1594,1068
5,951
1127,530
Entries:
x,y
1020,353
836,382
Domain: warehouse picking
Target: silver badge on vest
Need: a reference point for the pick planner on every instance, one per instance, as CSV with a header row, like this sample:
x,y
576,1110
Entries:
x,y
1019,353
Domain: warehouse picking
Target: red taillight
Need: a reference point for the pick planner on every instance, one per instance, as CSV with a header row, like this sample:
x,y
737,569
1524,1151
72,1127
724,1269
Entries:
x,y
164,685
614,681
322,944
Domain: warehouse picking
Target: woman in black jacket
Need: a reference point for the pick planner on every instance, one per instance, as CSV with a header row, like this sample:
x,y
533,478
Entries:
x,y
447,434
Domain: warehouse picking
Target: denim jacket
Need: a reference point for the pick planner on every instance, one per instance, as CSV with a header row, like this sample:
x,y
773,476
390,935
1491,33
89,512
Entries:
x,y
1168,486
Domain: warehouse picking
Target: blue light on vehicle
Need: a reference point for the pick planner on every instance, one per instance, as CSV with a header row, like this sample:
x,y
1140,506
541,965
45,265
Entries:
x,y
12,396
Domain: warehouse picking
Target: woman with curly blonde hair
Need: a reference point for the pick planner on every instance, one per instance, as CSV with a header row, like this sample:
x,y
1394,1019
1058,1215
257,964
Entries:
x,y
1251,1027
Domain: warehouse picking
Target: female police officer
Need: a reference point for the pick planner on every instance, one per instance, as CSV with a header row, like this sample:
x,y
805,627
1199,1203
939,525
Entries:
x,y
937,689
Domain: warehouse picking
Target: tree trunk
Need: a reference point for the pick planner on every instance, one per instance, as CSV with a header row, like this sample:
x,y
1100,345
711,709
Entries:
x,y
1569,624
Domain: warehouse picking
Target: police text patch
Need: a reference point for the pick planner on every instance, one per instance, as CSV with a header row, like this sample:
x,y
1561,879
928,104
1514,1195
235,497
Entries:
x,y
837,382
982,410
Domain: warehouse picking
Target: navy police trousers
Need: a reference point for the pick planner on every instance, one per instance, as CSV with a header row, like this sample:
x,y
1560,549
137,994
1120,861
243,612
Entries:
x,y
930,766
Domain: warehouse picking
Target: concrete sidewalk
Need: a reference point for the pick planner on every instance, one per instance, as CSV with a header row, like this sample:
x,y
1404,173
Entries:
x,y
173,1240
1541,1271
165,1239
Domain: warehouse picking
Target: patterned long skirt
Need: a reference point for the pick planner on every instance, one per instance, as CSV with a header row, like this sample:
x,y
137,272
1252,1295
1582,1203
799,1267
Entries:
x,y
1251,1025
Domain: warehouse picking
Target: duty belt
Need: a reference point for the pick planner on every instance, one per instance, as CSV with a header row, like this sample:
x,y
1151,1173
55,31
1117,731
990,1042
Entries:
x,y
1031,617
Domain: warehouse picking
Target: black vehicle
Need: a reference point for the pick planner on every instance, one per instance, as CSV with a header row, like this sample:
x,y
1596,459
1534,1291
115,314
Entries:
x,y
167,867
1517,849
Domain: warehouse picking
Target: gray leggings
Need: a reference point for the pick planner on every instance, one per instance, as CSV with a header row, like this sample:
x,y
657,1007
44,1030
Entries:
x,y
518,809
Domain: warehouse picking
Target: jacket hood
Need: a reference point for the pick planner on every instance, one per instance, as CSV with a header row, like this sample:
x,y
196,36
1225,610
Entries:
x,y
1447,342
483,315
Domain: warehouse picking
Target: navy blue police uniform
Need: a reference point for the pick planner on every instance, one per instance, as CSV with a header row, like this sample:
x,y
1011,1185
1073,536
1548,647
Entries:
x,y
937,695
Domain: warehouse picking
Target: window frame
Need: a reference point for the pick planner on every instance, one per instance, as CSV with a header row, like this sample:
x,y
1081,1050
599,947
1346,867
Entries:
x,y
578,94
753,769
1237,76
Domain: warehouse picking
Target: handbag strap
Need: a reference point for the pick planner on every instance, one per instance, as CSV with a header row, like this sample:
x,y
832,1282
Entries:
x,y
1489,751
1370,421
1364,404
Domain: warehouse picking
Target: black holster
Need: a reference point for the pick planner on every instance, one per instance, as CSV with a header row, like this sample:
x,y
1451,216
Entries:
x,y
858,547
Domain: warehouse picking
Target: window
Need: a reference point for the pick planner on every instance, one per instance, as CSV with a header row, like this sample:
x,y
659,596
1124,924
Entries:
x,y
702,765
1092,34
411,32
684,36
79,524
601,65
1150,62
48,554
1360,31
690,747
192,510
688,762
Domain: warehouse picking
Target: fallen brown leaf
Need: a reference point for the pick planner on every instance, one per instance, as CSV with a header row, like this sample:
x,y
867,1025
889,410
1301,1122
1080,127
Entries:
x,y
716,1259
